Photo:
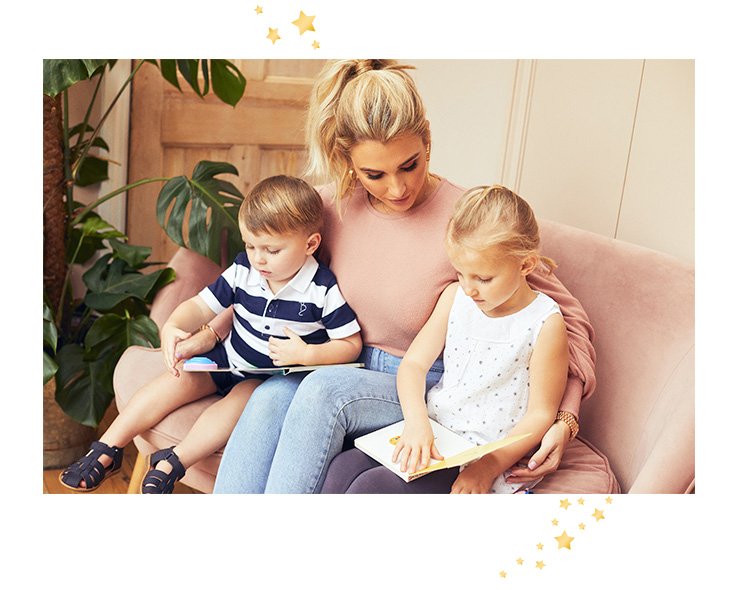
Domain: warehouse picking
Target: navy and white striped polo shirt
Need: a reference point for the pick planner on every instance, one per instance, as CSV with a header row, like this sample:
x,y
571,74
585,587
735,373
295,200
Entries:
x,y
311,305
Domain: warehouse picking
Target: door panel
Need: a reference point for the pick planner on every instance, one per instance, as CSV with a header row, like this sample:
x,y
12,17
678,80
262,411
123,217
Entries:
x,y
172,131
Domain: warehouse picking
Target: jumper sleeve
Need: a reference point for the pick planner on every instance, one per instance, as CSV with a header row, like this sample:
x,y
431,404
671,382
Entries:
x,y
581,381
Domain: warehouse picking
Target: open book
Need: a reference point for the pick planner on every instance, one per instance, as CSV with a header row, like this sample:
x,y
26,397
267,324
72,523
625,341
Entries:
x,y
204,364
456,450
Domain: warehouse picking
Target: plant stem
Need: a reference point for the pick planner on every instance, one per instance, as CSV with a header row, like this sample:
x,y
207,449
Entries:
x,y
67,170
86,120
112,194
65,285
96,132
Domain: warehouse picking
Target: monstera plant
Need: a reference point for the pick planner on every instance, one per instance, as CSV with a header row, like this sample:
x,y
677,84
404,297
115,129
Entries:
x,y
85,334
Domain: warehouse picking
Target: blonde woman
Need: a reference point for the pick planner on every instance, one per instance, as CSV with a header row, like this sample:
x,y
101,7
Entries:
x,y
505,358
386,218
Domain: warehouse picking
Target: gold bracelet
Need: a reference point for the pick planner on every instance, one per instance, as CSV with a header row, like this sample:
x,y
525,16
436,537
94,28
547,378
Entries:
x,y
218,339
571,421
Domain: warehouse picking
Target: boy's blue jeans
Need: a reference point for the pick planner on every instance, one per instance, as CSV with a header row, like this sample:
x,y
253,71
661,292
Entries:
x,y
294,425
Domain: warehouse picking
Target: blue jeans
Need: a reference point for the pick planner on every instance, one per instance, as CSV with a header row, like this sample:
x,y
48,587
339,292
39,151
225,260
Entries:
x,y
294,425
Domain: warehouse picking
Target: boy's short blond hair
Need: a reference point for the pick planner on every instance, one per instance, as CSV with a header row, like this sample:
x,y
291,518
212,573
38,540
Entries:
x,y
281,205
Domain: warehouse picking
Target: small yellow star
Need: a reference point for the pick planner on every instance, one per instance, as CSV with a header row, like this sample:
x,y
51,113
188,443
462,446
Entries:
x,y
598,514
540,565
503,574
258,10
564,541
316,45
582,526
581,501
519,560
564,504
555,522
608,500
540,546
273,35
304,22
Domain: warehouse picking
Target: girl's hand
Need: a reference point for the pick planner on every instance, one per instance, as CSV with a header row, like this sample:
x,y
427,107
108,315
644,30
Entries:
x,y
416,446
171,336
476,478
546,459
287,352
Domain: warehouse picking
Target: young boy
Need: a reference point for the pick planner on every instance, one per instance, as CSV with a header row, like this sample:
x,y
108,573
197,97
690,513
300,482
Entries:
x,y
288,310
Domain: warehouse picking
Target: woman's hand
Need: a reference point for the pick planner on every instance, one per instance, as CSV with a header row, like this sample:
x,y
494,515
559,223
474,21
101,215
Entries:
x,y
546,459
475,478
416,446
171,336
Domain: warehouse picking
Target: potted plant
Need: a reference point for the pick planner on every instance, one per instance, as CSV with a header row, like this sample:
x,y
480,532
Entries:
x,y
85,334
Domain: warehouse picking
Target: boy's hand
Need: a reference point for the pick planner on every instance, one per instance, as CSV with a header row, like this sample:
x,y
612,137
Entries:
x,y
476,478
170,337
416,447
287,352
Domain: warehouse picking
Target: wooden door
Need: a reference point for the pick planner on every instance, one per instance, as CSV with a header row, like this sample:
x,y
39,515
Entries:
x,y
172,131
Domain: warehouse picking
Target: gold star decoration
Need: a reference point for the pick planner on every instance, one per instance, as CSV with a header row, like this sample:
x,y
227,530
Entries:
x,y
304,22
540,565
273,35
540,546
564,541
258,10
503,574
582,526
316,45
581,501
519,560
598,515
555,522
608,500
564,504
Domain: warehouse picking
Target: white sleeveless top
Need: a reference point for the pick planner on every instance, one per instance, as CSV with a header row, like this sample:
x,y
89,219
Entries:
x,y
483,392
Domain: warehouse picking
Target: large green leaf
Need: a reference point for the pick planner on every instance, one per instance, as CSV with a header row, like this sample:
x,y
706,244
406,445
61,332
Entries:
x,y
60,74
134,256
50,368
110,281
84,386
120,332
87,237
213,210
229,83
50,339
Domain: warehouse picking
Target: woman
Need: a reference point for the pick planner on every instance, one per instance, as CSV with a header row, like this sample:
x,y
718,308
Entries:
x,y
386,217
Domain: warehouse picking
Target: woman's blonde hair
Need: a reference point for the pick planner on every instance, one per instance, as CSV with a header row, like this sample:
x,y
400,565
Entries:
x,y
281,205
494,216
356,100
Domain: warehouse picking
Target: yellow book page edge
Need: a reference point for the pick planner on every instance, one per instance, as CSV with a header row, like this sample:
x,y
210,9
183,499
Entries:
x,y
469,455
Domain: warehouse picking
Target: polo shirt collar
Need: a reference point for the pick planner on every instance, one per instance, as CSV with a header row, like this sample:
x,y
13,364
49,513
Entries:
x,y
300,282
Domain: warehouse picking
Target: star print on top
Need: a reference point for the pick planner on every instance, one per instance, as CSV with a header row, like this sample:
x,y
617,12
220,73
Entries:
x,y
484,390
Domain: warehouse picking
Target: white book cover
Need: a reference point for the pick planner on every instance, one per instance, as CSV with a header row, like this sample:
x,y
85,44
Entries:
x,y
456,450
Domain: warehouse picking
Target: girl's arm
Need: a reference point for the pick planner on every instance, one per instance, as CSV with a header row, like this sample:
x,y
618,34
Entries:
x,y
548,376
187,317
416,448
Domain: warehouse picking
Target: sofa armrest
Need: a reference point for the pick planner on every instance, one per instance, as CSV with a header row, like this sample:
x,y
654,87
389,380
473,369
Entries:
x,y
194,272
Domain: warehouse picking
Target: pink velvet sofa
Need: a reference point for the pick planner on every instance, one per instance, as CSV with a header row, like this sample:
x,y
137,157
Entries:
x,y
637,429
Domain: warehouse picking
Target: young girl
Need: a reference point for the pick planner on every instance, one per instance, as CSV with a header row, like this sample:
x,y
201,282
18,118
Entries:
x,y
504,352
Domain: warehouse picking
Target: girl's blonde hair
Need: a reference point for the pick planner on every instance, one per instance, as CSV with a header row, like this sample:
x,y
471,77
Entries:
x,y
487,216
281,205
356,100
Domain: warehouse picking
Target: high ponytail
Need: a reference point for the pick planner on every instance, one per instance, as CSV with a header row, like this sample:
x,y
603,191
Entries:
x,y
359,100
